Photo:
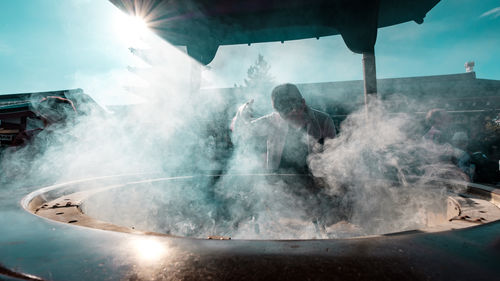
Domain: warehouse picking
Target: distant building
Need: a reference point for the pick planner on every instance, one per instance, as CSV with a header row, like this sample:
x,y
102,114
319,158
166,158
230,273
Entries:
x,y
20,114
455,93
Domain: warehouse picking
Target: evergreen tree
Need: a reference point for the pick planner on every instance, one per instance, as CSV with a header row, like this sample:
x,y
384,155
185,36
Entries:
x,y
258,76
257,86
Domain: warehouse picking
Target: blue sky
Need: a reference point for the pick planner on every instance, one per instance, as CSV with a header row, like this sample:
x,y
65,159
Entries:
x,y
53,44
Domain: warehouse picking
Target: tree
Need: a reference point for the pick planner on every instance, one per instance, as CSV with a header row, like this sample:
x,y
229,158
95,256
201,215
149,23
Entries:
x,y
258,76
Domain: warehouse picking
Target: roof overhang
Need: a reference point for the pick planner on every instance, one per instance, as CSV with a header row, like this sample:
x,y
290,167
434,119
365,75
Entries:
x,y
203,26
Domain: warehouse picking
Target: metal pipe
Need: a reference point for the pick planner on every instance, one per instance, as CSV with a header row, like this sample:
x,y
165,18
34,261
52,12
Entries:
x,y
369,76
195,79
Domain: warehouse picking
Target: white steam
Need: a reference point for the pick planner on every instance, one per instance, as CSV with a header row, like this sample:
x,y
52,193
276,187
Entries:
x,y
383,169
365,177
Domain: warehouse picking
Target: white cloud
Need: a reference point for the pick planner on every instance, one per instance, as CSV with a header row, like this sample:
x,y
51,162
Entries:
x,y
494,13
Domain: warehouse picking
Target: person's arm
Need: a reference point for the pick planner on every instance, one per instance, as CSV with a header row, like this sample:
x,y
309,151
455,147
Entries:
x,y
329,129
243,123
243,116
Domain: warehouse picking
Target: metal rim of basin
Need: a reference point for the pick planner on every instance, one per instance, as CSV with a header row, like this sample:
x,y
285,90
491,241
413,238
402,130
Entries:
x,y
62,203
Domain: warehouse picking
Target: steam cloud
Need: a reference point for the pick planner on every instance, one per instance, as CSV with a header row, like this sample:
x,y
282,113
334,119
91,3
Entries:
x,y
366,175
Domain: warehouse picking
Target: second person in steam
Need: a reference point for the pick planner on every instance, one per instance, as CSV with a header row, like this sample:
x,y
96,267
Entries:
x,y
293,131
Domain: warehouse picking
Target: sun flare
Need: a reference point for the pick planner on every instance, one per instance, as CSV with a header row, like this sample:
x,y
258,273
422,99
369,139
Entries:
x,y
149,250
131,30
